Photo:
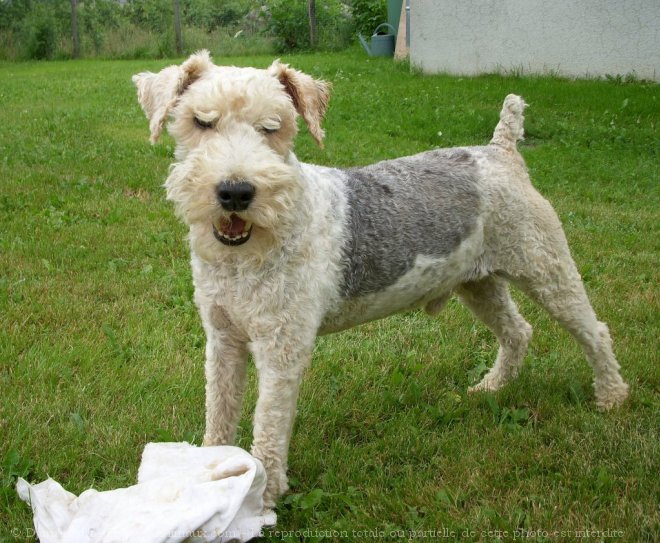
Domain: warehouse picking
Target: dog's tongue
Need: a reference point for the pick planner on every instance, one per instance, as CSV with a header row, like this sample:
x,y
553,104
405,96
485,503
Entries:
x,y
235,226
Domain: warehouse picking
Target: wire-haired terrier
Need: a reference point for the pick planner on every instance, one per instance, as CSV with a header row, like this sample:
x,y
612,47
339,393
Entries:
x,y
283,251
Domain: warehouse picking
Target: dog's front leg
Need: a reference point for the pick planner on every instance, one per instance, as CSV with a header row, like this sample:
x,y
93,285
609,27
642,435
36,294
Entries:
x,y
280,368
226,361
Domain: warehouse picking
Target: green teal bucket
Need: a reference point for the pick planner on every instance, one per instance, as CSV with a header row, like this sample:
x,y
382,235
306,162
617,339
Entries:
x,y
382,45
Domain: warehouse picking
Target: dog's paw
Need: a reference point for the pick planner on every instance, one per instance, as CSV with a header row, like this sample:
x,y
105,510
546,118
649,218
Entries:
x,y
276,486
610,394
490,383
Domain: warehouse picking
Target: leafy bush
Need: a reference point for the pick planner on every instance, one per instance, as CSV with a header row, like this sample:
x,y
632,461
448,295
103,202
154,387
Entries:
x,y
154,15
40,31
145,28
289,22
368,14
128,41
212,14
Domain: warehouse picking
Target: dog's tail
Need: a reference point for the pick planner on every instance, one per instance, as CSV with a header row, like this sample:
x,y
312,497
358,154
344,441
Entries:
x,y
510,128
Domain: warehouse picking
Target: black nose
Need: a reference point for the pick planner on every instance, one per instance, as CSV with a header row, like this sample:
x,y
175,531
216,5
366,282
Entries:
x,y
235,195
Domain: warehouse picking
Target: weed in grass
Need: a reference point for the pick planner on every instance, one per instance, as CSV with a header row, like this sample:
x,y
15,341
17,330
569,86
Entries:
x,y
577,394
121,352
475,374
12,467
78,422
508,418
305,501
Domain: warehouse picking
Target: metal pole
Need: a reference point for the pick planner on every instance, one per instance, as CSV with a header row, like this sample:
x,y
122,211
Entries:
x,y
408,23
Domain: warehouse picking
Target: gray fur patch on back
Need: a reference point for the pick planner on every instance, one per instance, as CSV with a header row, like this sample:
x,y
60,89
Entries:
x,y
398,209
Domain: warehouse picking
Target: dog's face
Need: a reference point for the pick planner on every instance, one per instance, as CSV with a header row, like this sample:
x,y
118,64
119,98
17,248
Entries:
x,y
234,183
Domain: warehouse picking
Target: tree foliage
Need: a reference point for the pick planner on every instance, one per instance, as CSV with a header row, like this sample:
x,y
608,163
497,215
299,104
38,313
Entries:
x,y
289,23
368,14
42,28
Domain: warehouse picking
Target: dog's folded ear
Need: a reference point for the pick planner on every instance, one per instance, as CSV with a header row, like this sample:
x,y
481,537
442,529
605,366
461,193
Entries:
x,y
310,96
158,93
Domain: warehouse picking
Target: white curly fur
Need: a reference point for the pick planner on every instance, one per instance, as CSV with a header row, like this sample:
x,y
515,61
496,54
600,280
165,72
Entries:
x,y
272,295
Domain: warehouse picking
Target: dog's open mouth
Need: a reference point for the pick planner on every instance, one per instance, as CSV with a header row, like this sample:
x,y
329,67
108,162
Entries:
x,y
232,230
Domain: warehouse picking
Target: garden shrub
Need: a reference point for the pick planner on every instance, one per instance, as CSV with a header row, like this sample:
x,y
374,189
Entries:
x,y
368,14
289,22
39,27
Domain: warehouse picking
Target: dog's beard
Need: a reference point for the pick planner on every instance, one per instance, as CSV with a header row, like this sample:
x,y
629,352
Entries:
x,y
270,222
271,218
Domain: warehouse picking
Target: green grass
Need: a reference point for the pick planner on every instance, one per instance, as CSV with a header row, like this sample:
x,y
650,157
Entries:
x,y
101,349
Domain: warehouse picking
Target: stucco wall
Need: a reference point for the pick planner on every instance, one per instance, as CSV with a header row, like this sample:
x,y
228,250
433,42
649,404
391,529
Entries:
x,y
575,38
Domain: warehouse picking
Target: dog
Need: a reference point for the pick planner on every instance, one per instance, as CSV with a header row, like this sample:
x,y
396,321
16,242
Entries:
x,y
283,251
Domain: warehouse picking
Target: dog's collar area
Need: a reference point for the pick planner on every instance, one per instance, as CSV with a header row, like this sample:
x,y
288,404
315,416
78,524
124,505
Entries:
x,y
232,230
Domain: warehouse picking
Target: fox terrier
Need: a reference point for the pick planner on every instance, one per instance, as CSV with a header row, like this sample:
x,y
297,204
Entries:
x,y
283,251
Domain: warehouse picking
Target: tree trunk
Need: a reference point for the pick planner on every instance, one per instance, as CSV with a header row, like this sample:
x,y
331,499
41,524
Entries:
x,y
311,12
177,28
74,29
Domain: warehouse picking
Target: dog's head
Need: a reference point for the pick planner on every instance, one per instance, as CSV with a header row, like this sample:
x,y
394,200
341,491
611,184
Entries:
x,y
235,182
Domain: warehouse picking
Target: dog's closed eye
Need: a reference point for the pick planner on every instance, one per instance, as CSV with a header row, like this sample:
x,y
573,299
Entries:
x,y
203,124
269,126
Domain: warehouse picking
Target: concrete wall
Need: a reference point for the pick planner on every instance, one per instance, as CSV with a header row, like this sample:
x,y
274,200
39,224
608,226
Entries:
x,y
574,38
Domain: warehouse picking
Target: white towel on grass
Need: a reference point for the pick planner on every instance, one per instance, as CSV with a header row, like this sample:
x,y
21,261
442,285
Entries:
x,y
183,493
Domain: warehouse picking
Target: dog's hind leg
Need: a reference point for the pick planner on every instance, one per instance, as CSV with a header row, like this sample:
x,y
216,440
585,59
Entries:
x,y
560,291
543,268
489,299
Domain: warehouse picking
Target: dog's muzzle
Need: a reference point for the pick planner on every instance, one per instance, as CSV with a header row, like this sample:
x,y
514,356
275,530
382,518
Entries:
x,y
232,230
234,196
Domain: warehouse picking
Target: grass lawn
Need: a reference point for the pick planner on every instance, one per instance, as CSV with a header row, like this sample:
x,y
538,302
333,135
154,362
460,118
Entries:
x,y
101,349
